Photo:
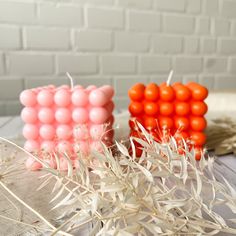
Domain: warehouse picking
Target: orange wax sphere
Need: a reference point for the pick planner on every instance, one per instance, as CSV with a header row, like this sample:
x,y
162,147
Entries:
x,y
165,122
179,135
198,123
133,122
182,93
151,108
167,93
198,153
136,93
181,123
198,92
198,138
198,108
151,92
150,123
166,108
182,108
136,108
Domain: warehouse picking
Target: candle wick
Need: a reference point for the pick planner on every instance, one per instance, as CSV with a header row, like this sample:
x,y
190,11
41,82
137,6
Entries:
x,y
71,80
169,78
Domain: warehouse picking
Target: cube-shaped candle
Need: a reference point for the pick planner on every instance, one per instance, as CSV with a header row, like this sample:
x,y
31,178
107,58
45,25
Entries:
x,y
176,110
65,120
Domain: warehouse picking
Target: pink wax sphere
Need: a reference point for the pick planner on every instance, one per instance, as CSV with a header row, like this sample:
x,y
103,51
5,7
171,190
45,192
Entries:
x,y
110,107
96,131
30,131
96,146
29,115
80,115
81,132
79,98
28,98
98,98
45,98
90,88
98,115
46,115
48,146
47,132
64,147
64,132
108,90
62,97
32,164
63,115
83,147
31,146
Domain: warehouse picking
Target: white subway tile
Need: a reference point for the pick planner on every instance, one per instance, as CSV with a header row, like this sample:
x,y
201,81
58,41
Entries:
x,y
47,38
228,46
208,45
207,81
30,64
229,8
2,64
224,83
188,65
77,64
221,27
131,42
143,4
233,65
90,40
178,24
144,21
193,6
10,88
105,18
215,65
17,12
168,44
170,5
203,25
60,15
10,37
118,64
211,7
191,45
155,64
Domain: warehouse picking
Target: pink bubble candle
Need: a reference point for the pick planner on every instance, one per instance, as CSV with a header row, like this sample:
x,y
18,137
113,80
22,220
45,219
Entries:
x,y
72,120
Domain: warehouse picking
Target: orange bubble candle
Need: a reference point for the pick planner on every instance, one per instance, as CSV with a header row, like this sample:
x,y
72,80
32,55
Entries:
x,y
166,109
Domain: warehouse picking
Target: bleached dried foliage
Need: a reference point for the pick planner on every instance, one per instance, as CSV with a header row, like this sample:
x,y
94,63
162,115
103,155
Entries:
x,y
161,193
116,193
222,136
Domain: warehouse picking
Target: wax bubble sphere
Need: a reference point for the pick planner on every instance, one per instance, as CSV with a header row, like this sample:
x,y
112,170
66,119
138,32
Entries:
x,y
83,147
64,132
81,132
96,145
96,131
62,97
108,90
98,98
45,98
47,132
30,131
63,115
79,98
110,106
32,164
31,145
64,146
80,115
28,98
29,115
46,115
98,115
48,146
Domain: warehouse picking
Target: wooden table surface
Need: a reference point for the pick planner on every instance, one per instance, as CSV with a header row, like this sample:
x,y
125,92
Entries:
x,y
11,128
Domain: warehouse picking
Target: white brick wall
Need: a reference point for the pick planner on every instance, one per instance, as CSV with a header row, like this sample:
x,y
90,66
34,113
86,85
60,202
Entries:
x,y
117,42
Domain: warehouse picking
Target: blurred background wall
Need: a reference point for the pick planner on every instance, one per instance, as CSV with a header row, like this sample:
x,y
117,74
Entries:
x,y
117,42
